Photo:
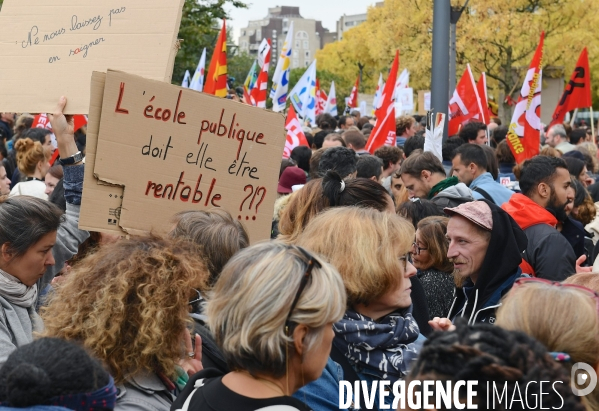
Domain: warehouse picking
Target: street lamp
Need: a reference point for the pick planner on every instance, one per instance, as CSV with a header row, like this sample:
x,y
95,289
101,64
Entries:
x,y
455,14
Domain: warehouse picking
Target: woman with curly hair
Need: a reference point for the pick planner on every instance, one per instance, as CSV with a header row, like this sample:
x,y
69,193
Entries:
x,y
129,305
496,358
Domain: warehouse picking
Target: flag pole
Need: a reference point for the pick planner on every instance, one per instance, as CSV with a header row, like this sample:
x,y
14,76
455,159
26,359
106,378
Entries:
x,y
593,126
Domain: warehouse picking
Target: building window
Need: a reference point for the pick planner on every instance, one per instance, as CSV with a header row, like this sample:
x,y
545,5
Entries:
x,y
307,55
258,35
285,24
306,63
295,53
301,35
243,32
297,44
306,44
295,63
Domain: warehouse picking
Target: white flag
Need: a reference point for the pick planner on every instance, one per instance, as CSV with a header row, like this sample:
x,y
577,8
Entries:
x,y
377,94
186,79
303,95
331,106
433,136
403,81
197,83
280,80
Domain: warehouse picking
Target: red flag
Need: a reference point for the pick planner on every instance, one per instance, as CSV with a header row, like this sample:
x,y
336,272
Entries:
x,y
295,134
464,104
321,99
42,121
481,88
258,93
578,91
216,80
383,133
353,97
523,135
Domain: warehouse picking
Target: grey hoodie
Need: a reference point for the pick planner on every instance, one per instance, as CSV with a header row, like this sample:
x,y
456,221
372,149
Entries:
x,y
453,196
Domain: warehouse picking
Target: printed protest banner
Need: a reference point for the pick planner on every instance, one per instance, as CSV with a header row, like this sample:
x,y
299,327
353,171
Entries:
x,y
173,149
53,47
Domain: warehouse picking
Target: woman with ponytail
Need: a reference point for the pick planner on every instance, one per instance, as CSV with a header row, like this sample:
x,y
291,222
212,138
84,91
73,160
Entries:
x,y
33,164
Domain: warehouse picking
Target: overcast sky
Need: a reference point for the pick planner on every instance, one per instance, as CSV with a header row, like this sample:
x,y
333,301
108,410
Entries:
x,y
327,11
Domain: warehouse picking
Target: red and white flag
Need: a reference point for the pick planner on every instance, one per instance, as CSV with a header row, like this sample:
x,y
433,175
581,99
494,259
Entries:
x,y
258,93
42,121
578,91
465,104
481,87
321,99
383,133
295,134
523,135
352,102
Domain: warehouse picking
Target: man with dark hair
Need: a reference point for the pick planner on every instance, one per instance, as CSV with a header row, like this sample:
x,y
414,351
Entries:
x,y
558,139
340,159
424,177
470,167
391,157
578,136
356,141
301,155
370,167
498,135
325,121
319,138
416,142
474,133
544,182
448,152
345,122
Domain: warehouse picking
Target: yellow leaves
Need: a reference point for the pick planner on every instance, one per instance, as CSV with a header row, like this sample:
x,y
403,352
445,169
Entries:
x,y
491,35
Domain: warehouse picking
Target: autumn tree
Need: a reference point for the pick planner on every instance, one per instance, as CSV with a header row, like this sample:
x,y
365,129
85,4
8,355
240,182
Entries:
x,y
498,37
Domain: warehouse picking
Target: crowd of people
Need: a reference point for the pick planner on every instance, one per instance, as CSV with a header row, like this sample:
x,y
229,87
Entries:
x,y
391,266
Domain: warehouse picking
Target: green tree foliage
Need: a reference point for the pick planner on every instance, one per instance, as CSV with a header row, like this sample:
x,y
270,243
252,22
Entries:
x,y
199,28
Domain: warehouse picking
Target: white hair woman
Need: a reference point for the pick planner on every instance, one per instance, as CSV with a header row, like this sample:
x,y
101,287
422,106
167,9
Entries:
x,y
272,311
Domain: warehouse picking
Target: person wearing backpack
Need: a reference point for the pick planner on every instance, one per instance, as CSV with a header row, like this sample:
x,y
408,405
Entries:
x,y
470,167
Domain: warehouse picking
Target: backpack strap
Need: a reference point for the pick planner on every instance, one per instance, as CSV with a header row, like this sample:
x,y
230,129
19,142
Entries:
x,y
483,193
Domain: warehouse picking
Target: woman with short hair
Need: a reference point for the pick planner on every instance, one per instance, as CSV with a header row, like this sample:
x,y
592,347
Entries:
x,y
429,256
378,337
271,311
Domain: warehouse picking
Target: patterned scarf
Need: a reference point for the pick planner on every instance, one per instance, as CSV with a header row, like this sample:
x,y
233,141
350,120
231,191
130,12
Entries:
x,y
381,348
101,399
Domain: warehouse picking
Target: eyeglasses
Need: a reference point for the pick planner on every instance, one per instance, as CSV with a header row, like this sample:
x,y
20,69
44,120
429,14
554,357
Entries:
x,y
195,301
312,261
418,249
405,259
587,291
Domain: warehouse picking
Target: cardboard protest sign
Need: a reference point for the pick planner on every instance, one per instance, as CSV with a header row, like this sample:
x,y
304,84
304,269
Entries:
x,y
50,48
174,149
101,202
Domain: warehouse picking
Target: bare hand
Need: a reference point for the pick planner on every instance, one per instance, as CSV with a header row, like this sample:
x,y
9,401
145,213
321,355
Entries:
x,y
441,324
192,365
580,269
64,129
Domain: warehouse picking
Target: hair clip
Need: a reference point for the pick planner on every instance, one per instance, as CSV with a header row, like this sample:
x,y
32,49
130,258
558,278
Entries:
x,y
342,186
560,356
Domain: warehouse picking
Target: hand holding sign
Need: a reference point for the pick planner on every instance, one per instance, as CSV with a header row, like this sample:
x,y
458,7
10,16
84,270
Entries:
x,y
64,129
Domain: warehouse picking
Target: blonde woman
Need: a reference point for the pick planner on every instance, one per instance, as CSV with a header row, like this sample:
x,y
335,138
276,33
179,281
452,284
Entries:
x,y
128,304
33,164
271,312
378,337
563,317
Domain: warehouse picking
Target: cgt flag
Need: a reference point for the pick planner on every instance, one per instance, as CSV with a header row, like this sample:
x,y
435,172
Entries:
x,y
295,134
321,99
523,134
258,93
353,97
216,80
578,91
464,104
383,133
481,87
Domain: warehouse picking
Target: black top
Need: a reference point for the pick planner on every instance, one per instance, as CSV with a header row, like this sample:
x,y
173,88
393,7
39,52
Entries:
x,y
212,395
